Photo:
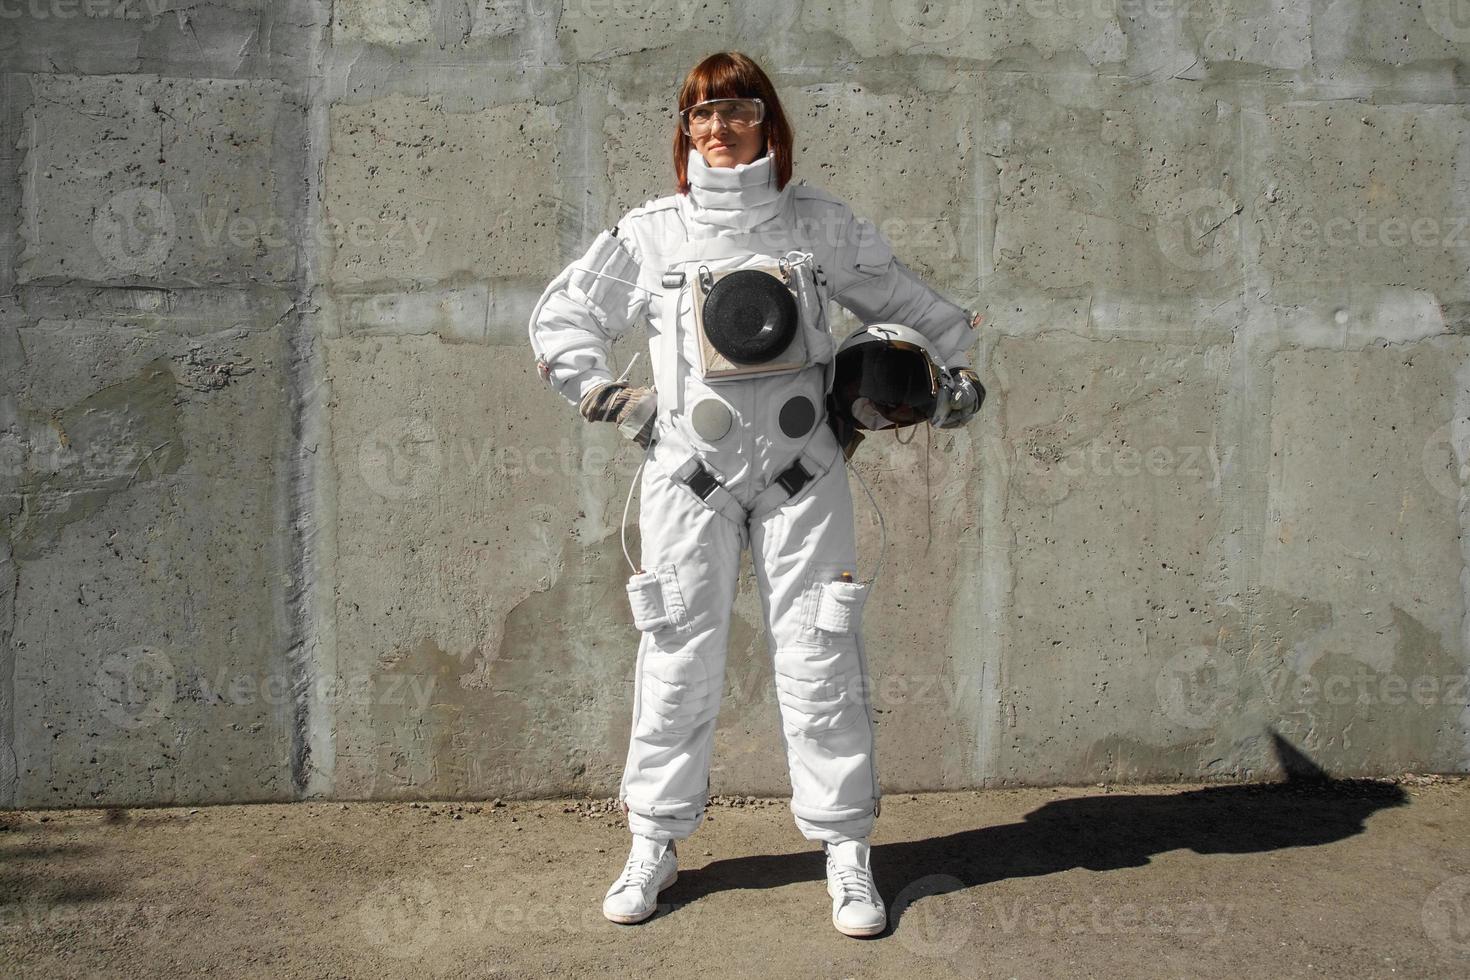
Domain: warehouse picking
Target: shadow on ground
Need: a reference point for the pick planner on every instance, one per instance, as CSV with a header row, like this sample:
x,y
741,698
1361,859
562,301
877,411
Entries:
x,y
1099,833
23,886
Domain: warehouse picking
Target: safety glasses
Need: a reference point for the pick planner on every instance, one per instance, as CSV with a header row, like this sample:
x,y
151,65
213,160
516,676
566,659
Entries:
x,y
700,118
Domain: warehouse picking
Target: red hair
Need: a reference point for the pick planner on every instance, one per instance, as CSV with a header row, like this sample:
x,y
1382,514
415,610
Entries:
x,y
732,75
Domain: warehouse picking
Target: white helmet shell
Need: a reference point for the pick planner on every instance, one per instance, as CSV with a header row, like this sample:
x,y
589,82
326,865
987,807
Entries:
x,y
868,395
890,332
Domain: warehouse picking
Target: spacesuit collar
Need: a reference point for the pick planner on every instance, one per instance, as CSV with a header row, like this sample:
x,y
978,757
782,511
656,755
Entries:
x,y
741,197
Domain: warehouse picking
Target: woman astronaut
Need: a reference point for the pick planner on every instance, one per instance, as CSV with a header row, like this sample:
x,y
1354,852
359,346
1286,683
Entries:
x,y
733,274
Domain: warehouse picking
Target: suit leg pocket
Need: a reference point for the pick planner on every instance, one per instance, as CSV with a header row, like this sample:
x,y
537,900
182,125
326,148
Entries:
x,y
832,607
656,600
839,607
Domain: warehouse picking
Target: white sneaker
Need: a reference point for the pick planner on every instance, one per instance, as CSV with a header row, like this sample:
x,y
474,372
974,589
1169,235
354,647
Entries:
x,y
652,867
857,908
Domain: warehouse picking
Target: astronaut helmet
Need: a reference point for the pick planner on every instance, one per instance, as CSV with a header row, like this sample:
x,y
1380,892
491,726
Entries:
x,y
886,375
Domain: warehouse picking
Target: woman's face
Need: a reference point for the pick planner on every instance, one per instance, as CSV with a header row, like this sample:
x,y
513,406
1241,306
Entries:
x,y
724,146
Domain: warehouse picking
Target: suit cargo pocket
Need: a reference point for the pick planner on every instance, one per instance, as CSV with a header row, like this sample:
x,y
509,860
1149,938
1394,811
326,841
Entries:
x,y
656,601
839,606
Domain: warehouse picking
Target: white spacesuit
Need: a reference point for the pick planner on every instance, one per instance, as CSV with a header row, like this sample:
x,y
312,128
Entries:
x,y
742,458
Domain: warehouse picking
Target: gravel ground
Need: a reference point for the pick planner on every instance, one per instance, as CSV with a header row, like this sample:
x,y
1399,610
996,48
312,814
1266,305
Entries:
x,y
1356,878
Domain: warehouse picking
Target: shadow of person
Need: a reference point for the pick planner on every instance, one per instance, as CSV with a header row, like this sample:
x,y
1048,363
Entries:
x,y
1099,833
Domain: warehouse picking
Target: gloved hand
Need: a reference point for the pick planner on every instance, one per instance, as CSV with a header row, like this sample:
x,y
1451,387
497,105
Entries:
x,y
960,395
634,409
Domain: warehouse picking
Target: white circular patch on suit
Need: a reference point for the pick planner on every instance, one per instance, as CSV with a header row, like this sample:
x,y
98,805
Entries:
x,y
711,419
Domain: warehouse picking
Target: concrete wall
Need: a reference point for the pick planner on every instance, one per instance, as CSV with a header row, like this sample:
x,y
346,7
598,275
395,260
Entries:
x,y
287,511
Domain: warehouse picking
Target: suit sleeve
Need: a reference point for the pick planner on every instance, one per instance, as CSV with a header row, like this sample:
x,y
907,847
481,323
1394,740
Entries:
x,y
870,281
582,311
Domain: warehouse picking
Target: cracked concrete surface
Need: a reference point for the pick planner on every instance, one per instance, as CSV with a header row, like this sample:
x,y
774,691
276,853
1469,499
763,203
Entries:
x,y
288,514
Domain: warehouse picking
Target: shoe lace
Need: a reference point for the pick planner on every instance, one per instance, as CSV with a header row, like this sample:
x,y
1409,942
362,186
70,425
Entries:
x,y
638,872
856,883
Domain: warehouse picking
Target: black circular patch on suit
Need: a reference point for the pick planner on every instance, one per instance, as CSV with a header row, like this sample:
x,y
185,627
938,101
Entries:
x,y
797,417
750,316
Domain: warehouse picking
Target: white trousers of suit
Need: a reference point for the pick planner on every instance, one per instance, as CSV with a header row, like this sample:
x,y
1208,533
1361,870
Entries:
x,y
821,675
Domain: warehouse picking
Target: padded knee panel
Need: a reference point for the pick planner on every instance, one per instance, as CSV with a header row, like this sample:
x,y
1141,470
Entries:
x,y
677,693
820,689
